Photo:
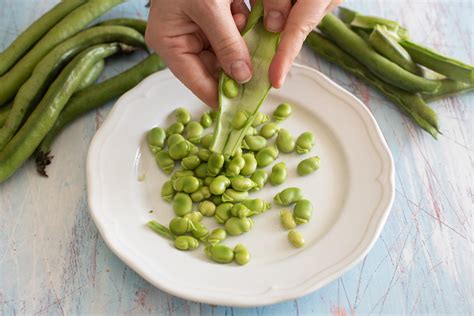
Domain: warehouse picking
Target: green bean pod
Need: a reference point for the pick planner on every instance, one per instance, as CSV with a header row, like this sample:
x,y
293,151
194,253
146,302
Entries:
x,y
285,141
304,143
194,132
182,204
379,65
254,142
269,130
207,208
220,253
167,191
241,254
282,112
29,37
223,212
231,195
164,161
90,98
236,226
260,178
216,236
288,196
161,230
308,166
186,243
25,141
215,164
71,24
156,139
92,76
235,166
266,155
136,24
219,185
180,226
250,164
4,113
296,238
303,211
287,219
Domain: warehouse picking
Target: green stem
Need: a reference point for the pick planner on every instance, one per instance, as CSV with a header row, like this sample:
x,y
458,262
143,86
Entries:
x,y
412,104
161,230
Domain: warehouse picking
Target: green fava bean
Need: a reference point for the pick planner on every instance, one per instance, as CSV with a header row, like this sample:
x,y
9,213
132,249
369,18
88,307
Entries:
x,y
201,194
257,206
180,150
252,131
235,166
182,204
285,141
201,171
230,88
288,196
282,112
215,164
175,128
164,161
216,236
167,191
250,164
240,119
156,138
208,181
241,254
213,115
308,166
219,185
240,183
200,232
216,199
194,216
279,174
220,253
266,155
223,212
182,116
204,154
254,142
230,195
296,238
194,132
207,208
186,243
269,130
260,178
190,162
303,211
174,139
180,226
304,143
287,219
236,226
188,184
259,119
238,152
241,211
206,120
182,173
206,141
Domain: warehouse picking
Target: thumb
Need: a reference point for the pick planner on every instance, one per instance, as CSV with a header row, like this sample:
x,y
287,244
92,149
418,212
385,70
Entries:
x,y
219,27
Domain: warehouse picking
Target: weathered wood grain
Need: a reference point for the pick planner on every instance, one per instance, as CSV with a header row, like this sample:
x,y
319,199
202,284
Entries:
x,y
52,260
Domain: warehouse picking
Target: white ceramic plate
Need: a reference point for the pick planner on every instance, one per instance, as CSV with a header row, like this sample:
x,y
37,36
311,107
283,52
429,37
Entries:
x,y
352,194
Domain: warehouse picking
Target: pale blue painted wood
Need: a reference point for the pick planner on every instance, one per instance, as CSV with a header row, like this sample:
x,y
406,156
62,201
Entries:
x,y
52,260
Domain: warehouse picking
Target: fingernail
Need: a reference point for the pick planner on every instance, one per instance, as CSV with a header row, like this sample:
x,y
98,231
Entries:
x,y
274,21
240,71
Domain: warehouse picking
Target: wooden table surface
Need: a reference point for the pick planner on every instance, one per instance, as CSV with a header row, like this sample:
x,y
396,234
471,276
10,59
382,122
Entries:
x,y
53,260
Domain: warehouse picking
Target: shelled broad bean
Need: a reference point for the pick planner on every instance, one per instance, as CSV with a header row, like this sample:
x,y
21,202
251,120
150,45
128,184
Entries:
x,y
209,184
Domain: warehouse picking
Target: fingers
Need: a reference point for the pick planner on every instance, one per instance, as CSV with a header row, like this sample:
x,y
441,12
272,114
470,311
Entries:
x,y
303,18
217,23
240,20
239,6
275,14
